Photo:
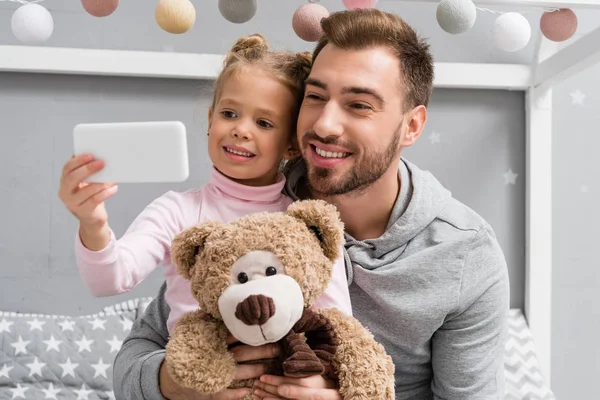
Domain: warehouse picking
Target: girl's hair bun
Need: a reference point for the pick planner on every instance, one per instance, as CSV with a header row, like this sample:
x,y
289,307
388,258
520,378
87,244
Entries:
x,y
252,47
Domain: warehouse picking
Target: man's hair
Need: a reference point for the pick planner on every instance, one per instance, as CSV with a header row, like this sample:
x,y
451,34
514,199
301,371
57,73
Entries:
x,y
367,28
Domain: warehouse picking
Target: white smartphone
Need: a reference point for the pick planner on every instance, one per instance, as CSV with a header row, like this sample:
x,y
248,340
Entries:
x,y
135,152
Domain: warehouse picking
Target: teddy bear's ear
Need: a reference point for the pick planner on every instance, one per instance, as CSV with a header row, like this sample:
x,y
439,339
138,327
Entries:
x,y
187,244
324,221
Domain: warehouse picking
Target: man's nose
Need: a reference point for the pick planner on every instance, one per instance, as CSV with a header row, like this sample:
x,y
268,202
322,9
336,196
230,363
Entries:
x,y
329,122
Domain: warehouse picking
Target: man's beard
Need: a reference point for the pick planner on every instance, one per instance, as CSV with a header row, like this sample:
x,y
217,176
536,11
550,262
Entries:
x,y
361,176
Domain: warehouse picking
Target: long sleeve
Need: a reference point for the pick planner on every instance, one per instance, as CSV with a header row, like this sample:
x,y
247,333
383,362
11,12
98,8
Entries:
x,y
137,364
125,262
337,294
467,350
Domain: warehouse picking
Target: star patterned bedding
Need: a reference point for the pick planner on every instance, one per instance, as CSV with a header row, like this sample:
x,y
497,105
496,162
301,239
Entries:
x,y
63,357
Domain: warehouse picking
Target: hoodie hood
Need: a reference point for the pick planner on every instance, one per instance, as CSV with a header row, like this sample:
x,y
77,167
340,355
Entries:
x,y
421,199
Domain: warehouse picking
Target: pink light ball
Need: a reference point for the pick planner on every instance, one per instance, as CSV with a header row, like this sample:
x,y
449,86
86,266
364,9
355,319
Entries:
x,y
307,21
559,25
354,4
100,8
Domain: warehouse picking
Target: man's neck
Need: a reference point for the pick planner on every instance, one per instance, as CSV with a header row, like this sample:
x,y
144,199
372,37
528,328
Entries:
x,y
366,214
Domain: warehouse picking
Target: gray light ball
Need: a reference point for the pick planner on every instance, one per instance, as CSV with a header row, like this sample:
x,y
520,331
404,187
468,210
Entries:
x,y
456,16
238,11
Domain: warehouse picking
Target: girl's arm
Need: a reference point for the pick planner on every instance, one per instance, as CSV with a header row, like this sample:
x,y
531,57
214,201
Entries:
x,y
123,263
336,294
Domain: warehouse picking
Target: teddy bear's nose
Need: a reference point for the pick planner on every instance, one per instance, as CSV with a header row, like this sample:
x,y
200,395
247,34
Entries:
x,y
255,309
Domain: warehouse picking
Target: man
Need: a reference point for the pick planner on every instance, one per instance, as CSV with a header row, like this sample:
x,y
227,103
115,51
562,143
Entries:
x,y
426,273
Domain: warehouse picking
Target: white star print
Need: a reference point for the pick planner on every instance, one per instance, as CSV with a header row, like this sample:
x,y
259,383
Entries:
x,y
68,368
4,371
115,344
67,325
83,393
127,324
100,368
510,177
51,392
98,324
20,345
36,324
5,325
434,137
35,367
84,344
577,97
19,391
52,344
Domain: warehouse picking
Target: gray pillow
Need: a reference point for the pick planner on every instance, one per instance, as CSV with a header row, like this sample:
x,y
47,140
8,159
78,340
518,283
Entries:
x,y
60,357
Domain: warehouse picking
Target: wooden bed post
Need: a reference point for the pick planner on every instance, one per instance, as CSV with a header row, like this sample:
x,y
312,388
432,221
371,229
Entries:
x,y
538,263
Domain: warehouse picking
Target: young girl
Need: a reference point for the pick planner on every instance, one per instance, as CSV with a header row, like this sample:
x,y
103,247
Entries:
x,y
251,130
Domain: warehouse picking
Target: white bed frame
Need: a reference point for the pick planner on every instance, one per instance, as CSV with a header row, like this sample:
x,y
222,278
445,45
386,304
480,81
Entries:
x,y
551,66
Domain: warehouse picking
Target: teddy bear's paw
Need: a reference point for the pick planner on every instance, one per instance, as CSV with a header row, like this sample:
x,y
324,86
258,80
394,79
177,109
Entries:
x,y
302,364
203,377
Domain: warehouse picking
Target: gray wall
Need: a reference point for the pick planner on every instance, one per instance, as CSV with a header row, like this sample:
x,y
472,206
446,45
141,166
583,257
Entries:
x,y
576,219
481,135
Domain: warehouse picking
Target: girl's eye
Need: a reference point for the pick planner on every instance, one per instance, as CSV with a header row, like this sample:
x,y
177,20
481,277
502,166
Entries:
x,y
228,114
265,124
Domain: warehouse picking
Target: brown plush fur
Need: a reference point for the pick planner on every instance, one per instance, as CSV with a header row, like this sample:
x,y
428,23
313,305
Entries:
x,y
307,239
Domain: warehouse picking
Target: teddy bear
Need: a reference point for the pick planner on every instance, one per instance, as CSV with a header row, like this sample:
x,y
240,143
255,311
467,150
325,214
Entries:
x,y
257,278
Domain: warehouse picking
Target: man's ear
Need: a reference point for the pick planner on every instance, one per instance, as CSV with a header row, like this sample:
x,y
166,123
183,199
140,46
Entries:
x,y
323,220
415,122
188,244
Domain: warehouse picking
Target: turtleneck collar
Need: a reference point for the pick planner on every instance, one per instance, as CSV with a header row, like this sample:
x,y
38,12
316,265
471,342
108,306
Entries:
x,y
238,191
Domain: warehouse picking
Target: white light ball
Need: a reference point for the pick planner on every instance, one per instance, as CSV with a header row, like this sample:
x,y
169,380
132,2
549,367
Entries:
x,y
511,32
456,16
32,24
238,11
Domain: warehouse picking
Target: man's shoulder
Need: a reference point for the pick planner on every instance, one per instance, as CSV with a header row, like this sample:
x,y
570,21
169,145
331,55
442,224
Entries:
x,y
472,236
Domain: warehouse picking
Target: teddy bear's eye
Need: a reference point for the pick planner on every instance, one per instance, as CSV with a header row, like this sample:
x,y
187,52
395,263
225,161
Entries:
x,y
270,271
242,277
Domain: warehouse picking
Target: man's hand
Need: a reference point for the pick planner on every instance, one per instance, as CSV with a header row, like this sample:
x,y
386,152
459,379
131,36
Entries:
x,y
172,391
271,387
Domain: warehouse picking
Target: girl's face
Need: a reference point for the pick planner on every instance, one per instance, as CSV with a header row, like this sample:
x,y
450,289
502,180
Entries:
x,y
250,127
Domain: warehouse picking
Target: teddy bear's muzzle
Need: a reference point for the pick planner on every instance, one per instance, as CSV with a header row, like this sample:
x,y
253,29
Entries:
x,y
255,309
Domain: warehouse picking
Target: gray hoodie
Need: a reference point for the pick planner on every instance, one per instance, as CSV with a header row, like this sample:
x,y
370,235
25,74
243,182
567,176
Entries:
x,y
433,289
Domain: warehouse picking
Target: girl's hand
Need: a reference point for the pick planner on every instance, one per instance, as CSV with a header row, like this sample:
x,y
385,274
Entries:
x,y
85,200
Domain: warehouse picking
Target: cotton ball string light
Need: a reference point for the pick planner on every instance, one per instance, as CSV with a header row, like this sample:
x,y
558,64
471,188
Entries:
x,y
354,4
558,25
32,24
307,21
511,32
238,11
100,8
456,16
175,16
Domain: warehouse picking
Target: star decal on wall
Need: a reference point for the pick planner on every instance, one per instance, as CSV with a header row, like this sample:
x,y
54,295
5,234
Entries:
x,y
577,97
434,137
510,178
